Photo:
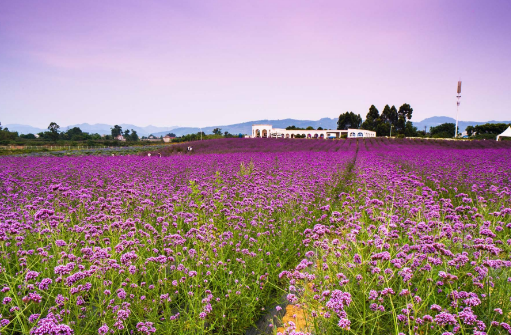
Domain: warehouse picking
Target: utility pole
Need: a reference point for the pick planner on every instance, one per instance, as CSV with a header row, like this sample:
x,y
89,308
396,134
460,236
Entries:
x,y
457,108
391,130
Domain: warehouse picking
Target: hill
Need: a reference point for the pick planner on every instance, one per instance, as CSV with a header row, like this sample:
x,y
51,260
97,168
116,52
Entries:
x,y
238,128
23,129
105,129
246,127
327,123
437,120
100,128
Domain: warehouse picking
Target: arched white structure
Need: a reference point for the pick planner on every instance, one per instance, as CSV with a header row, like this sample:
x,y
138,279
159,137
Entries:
x,y
360,133
267,131
261,130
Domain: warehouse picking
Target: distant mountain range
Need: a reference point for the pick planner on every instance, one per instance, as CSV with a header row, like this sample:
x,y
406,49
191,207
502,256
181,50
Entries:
x,y
246,127
238,128
437,120
99,128
326,123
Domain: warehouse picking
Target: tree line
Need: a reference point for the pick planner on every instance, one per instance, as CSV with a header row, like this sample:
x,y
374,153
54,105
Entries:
x,y
117,135
217,133
75,134
486,131
390,121
307,128
226,134
127,135
397,122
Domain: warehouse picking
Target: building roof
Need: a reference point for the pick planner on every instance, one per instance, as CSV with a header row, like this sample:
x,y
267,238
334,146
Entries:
x,y
505,133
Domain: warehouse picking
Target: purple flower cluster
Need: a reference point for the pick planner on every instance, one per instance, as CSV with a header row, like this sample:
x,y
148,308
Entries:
x,y
51,326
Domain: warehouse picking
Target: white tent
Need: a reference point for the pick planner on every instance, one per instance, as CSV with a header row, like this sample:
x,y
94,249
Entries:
x,y
506,133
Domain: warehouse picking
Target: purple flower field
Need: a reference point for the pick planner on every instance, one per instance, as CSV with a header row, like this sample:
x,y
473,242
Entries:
x,y
232,145
367,237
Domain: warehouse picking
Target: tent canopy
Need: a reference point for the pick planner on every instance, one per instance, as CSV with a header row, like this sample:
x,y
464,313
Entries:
x,y
506,133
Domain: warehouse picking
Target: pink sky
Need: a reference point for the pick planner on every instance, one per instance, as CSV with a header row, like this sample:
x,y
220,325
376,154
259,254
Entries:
x,y
199,63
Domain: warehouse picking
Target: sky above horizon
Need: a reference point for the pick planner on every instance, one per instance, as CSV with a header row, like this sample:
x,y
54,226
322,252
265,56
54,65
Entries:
x,y
202,63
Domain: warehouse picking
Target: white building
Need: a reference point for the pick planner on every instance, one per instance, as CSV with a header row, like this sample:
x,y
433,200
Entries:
x,y
167,138
356,133
267,131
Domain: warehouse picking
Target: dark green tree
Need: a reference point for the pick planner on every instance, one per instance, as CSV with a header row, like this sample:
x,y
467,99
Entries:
x,y
134,136
54,127
385,121
74,131
469,130
74,134
349,120
391,118
6,135
373,113
116,131
389,115
490,128
410,130
444,130
382,129
309,128
53,131
421,133
404,114
217,131
320,128
127,135
372,119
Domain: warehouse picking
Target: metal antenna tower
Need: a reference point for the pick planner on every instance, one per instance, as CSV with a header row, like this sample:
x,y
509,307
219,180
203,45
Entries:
x,y
457,108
